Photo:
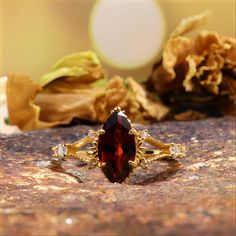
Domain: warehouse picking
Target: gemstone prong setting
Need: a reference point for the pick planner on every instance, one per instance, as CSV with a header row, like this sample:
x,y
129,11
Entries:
x,y
117,148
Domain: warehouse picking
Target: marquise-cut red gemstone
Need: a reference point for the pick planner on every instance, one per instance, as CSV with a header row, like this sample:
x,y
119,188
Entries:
x,y
116,147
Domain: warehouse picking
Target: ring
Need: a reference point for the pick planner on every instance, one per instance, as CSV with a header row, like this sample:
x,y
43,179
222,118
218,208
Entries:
x,y
118,149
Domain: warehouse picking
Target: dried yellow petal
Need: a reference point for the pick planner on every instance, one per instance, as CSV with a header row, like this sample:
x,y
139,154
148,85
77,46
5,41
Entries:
x,y
21,91
192,69
63,107
62,72
83,67
175,52
191,23
84,59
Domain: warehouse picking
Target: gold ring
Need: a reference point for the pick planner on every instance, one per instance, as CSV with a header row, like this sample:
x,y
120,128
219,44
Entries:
x,y
118,149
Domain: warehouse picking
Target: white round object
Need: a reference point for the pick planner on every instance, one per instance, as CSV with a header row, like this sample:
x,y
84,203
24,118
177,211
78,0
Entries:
x,y
127,34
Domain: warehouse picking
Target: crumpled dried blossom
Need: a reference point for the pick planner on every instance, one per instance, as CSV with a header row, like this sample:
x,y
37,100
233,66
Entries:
x,y
132,98
197,65
55,100
202,61
207,63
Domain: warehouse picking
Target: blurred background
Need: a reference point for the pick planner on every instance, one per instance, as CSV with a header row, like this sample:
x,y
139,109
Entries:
x,y
36,33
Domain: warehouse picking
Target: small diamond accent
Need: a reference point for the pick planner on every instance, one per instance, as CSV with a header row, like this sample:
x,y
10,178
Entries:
x,y
144,134
91,134
60,150
176,150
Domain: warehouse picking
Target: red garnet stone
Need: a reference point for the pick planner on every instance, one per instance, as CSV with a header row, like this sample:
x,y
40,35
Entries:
x,y
116,147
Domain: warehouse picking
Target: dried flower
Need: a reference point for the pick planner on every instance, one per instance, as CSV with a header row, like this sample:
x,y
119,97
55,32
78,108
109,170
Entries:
x,y
202,65
77,88
132,98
